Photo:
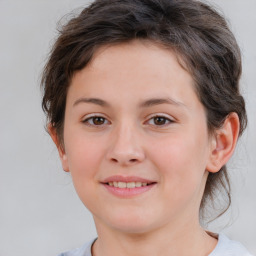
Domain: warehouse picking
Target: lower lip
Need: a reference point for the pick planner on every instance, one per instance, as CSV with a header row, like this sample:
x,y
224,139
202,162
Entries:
x,y
128,192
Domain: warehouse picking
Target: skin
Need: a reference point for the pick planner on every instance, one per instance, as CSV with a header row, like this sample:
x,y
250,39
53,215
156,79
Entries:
x,y
177,153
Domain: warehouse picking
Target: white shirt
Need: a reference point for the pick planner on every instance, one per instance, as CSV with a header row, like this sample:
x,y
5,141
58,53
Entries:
x,y
225,247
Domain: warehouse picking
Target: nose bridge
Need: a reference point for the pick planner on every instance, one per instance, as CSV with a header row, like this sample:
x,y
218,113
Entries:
x,y
125,147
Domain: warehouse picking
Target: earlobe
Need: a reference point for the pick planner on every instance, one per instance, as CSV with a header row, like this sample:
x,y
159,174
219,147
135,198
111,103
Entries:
x,y
61,150
223,143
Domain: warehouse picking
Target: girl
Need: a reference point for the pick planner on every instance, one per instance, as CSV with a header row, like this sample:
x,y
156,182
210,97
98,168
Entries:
x,y
143,104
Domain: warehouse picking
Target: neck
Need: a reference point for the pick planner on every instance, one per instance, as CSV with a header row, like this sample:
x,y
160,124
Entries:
x,y
190,240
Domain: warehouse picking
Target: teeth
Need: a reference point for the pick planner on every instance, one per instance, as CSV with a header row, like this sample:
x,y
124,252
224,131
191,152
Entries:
x,y
130,185
138,184
119,184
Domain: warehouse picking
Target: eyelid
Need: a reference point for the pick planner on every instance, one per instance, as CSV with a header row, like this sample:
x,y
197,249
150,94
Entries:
x,y
161,115
91,116
168,117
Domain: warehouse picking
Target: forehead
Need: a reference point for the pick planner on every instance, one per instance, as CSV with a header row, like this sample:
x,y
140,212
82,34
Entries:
x,y
132,72
136,49
137,58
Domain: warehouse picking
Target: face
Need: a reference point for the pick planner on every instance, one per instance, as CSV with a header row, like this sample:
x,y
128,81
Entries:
x,y
135,138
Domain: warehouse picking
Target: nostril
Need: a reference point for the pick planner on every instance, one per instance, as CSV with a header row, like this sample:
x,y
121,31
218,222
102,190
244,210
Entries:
x,y
131,160
125,159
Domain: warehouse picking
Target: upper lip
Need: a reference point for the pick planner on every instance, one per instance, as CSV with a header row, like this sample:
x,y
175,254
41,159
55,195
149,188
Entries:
x,y
127,179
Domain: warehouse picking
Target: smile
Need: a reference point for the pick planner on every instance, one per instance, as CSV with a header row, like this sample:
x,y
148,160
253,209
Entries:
x,y
127,187
120,184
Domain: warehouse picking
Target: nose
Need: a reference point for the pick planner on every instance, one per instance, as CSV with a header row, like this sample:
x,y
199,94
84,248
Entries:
x,y
125,146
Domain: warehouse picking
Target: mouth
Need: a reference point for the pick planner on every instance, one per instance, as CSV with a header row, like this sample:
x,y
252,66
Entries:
x,y
127,187
133,184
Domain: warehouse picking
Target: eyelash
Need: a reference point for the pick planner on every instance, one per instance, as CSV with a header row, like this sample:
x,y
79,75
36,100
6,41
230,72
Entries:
x,y
166,119
92,118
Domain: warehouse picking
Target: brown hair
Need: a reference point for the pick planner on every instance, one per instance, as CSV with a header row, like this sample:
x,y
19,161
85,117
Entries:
x,y
195,31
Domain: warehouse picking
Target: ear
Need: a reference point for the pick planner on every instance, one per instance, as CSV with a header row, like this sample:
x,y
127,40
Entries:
x,y
223,143
60,147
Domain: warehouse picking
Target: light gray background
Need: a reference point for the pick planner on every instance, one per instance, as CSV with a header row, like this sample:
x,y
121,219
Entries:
x,y
40,213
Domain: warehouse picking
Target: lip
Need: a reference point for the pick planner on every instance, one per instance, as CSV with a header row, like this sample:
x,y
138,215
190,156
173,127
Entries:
x,y
128,192
127,179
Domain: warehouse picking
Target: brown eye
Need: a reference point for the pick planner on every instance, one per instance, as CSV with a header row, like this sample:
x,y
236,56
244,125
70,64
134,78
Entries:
x,y
159,120
95,121
98,120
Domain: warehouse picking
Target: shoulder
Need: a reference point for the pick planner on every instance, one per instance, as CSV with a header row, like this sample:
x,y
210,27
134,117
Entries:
x,y
85,250
227,247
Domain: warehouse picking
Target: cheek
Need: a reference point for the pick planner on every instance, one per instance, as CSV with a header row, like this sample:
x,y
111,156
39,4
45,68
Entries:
x,y
182,160
178,152
84,156
84,159
182,176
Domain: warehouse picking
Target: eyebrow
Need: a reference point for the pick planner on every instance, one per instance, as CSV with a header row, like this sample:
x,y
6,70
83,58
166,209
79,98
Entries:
x,y
147,103
93,101
158,101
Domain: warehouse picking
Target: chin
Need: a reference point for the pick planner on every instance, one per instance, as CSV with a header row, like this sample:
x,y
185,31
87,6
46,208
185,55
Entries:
x,y
133,229
132,223
130,219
